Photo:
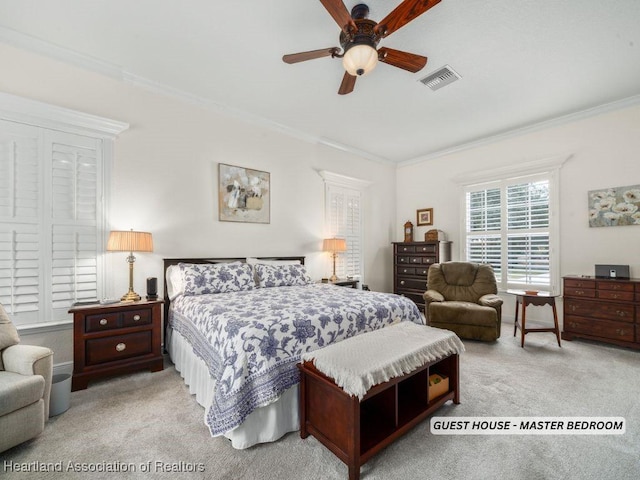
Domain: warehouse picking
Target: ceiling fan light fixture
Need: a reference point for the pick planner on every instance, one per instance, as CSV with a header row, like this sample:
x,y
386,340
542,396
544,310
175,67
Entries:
x,y
360,59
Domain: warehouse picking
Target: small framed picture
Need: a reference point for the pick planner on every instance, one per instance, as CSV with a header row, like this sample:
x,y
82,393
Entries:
x,y
425,217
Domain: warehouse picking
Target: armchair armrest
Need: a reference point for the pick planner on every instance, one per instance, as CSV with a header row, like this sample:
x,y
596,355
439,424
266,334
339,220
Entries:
x,y
432,296
31,360
490,300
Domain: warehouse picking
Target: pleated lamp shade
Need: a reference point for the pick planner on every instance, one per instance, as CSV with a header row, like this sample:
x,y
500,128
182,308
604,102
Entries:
x,y
334,245
129,241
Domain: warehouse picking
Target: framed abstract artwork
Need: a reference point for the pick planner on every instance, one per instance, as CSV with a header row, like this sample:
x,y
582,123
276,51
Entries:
x,y
244,195
614,207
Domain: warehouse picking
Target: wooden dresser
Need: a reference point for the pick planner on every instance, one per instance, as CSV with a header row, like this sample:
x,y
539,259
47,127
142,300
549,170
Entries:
x,y
411,262
115,339
607,310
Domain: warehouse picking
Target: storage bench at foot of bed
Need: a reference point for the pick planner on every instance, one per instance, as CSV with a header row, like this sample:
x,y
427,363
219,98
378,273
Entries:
x,y
355,430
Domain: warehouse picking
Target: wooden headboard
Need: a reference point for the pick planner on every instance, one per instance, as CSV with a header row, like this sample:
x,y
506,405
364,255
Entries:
x,y
174,261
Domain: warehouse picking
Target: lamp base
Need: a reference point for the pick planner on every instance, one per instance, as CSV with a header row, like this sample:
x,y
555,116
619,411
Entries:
x,y
130,296
333,278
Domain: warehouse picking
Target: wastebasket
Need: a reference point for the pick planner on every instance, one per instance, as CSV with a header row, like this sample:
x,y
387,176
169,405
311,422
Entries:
x,y
60,394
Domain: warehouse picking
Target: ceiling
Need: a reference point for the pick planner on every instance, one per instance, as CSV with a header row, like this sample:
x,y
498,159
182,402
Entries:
x,y
522,64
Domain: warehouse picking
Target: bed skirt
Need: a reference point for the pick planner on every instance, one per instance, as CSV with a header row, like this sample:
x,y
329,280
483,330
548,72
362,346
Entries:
x,y
265,424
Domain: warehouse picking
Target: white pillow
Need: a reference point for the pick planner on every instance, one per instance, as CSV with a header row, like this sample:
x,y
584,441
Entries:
x,y
175,282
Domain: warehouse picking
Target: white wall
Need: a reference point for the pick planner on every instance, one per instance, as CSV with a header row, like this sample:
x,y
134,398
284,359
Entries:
x,y
165,180
604,151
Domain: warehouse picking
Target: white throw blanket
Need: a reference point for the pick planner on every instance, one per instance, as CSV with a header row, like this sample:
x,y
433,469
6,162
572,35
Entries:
x,y
358,363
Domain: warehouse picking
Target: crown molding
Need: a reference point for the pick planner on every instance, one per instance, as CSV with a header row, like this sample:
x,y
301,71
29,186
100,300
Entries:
x,y
116,72
531,128
521,169
39,114
343,180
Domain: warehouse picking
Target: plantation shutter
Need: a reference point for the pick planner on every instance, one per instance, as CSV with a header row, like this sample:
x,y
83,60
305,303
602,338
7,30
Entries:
x,y
345,221
508,225
528,233
50,191
74,213
484,222
20,213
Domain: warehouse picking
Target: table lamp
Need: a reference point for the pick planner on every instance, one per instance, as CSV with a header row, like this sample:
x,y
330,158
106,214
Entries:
x,y
334,245
130,241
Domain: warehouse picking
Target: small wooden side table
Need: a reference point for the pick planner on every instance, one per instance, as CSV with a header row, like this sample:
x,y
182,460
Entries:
x,y
525,299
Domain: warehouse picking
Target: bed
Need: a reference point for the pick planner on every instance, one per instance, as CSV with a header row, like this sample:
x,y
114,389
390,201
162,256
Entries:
x,y
235,329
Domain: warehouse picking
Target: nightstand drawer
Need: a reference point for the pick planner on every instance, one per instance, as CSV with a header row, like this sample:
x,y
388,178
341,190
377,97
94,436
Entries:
x,y
136,317
109,349
98,323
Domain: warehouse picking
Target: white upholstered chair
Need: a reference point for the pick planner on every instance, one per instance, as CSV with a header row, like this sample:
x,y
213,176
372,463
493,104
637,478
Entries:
x,y
25,386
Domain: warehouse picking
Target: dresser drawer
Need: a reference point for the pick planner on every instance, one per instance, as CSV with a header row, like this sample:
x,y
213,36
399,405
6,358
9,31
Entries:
x,y
412,284
607,311
422,260
431,248
98,323
616,295
110,349
416,297
579,292
616,286
402,270
579,283
136,317
406,249
600,328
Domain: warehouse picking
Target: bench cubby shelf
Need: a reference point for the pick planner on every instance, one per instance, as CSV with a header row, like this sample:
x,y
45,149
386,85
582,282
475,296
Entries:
x,y
355,430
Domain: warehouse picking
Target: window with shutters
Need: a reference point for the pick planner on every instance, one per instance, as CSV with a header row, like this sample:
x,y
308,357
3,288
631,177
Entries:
x,y
344,219
51,214
509,225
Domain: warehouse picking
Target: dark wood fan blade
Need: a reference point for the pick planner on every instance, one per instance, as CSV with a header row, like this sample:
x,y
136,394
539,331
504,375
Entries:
x,y
403,14
304,56
348,82
407,61
340,14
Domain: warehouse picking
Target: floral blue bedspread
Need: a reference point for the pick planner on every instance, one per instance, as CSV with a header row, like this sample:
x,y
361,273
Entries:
x,y
252,340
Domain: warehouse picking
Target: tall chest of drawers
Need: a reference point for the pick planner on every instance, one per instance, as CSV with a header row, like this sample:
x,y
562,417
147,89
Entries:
x,y
411,262
607,310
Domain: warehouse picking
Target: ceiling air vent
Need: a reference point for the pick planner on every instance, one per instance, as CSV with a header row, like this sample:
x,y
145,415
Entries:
x,y
440,78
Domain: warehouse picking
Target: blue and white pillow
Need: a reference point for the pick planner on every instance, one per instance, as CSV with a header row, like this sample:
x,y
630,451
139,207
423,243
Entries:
x,y
281,275
207,278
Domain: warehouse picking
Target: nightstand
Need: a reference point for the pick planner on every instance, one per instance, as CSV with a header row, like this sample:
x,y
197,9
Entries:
x,y
115,339
346,283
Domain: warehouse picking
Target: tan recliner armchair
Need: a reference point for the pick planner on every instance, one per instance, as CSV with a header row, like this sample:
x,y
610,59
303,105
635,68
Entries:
x,y
462,297
25,386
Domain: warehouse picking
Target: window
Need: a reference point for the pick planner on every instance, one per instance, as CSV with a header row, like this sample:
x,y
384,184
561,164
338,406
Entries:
x,y
509,224
344,221
51,215
343,218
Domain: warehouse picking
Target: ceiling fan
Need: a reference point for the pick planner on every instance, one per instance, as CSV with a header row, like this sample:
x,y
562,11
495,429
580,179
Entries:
x,y
360,36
